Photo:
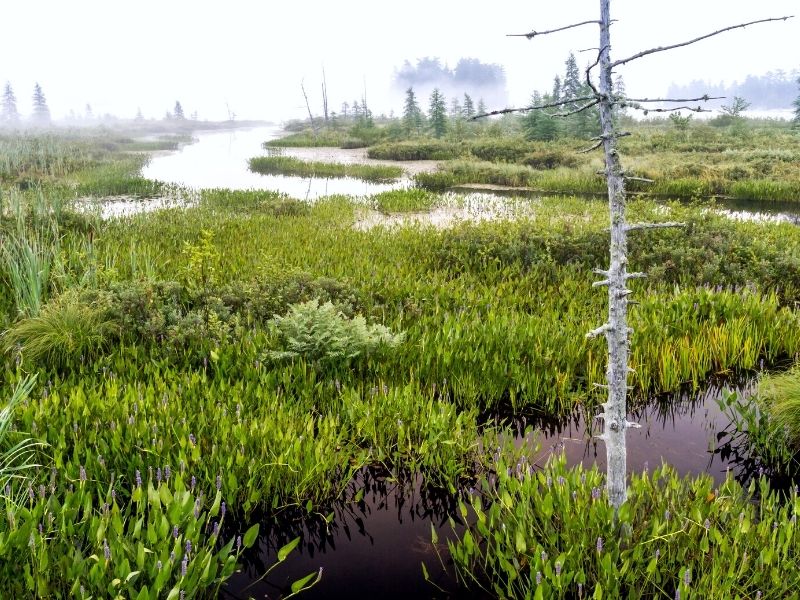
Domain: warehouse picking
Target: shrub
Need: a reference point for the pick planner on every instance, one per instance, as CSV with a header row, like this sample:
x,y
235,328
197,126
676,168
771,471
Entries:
x,y
322,334
550,159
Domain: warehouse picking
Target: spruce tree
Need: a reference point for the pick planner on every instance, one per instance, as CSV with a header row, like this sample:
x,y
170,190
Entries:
x,y
556,94
796,105
178,111
469,107
412,115
10,115
481,106
438,113
41,113
571,88
455,109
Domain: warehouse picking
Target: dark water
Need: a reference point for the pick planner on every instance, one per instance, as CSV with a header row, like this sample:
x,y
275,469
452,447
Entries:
x,y
374,548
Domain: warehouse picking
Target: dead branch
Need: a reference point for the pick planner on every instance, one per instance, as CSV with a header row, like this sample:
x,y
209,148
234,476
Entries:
x,y
590,148
641,226
533,34
577,110
623,61
697,109
506,111
704,98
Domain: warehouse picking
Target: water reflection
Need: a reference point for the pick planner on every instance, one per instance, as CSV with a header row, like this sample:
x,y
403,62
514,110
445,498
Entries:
x,y
373,547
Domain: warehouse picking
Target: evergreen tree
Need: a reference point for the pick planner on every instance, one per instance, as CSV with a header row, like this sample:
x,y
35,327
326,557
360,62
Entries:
x,y
455,109
571,88
139,115
481,106
469,107
796,105
41,113
538,124
438,113
10,115
345,108
412,114
178,111
556,95
88,110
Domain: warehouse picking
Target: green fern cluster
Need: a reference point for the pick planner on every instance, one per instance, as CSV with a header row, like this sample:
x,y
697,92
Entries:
x,y
322,334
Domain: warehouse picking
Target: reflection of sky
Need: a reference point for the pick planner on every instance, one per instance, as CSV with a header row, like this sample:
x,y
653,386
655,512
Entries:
x,y
219,160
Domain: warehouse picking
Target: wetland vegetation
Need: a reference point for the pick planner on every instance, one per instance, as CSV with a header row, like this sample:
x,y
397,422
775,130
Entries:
x,y
178,378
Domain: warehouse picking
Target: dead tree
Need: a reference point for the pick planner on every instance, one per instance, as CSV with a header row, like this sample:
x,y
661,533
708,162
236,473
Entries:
x,y
616,278
324,96
308,107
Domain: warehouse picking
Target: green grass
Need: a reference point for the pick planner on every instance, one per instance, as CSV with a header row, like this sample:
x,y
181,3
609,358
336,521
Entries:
x,y
779,395
284,165
407,200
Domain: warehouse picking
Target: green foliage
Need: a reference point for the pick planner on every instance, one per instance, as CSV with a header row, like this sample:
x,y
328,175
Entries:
x,y
17,451
551,534
27,256
322,334
66,329
285,165
412,114
404,200
779,396
113,538
437,114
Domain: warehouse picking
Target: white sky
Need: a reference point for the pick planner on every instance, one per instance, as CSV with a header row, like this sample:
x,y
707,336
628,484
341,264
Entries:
x,y
119,55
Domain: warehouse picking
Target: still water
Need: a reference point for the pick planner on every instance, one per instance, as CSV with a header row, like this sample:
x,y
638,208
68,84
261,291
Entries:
x,y
375,545
218,159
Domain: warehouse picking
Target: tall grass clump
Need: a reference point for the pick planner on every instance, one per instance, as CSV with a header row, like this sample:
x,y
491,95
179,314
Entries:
x,y
65,330
779,396
285,165
27,257
408,200
17,451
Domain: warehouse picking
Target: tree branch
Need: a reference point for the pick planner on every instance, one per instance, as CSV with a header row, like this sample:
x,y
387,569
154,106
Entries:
x,y
577,110
533,34
696,109
704,98
623,61
640,226
506,111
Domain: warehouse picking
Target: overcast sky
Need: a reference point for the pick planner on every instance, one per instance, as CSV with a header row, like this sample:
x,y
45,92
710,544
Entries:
x,y
119,55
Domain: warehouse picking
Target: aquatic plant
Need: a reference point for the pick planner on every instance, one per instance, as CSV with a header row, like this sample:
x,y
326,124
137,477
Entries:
x,y
17,451
285,165
546,534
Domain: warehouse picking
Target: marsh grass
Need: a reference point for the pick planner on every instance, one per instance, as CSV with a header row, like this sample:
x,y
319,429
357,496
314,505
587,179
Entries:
x,y
18,452
779,396
284,165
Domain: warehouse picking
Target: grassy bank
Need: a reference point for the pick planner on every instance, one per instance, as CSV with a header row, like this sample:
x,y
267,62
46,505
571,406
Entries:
x,y
285,165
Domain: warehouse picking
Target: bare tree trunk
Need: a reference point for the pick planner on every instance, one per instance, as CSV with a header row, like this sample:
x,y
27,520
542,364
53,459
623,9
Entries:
x,y
616,329
324,96
308,107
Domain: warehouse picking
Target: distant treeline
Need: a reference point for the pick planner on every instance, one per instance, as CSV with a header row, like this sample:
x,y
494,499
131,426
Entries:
x,y
773,90
470,75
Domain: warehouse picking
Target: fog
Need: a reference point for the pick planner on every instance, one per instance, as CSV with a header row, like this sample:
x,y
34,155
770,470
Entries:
x,y
249,58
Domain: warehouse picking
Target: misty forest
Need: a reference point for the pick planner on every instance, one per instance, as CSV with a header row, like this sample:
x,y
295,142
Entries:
x,y
455,349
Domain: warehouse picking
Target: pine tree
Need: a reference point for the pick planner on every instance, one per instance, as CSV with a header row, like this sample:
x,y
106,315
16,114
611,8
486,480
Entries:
x,y
438,113
481,106
178,111
537,124
412,114
10,115
41,113
469,107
